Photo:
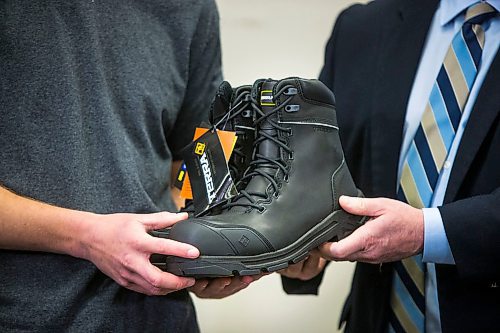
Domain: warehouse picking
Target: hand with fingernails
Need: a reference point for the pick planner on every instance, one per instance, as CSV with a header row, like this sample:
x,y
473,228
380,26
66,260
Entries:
x,y
394,231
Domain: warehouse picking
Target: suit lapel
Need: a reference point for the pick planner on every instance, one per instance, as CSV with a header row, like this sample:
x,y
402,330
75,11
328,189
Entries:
x,y
400,50
485,110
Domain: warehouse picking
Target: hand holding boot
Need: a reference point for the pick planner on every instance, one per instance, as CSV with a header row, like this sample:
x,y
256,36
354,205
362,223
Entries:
x,y
218,288
395,231
306,269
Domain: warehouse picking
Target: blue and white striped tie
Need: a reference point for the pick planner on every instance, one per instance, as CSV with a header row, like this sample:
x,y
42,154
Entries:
x,y
427,154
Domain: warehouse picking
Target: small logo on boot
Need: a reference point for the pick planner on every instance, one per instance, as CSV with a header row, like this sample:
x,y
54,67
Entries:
x,y
266,98
244,241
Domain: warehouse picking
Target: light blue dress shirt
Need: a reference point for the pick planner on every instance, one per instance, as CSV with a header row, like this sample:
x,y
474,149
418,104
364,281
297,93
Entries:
x,y
447,21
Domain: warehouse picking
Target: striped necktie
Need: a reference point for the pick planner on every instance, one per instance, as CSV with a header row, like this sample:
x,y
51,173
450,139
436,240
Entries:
x,y
427,154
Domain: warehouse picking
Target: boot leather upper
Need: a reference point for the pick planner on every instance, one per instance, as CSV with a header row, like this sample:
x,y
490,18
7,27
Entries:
x,y
317,176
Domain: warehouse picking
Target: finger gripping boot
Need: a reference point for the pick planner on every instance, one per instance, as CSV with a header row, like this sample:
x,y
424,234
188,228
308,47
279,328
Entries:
x,y
289,204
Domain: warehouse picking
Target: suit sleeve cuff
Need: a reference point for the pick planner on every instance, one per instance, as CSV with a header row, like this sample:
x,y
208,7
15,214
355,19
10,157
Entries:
x,y
436,247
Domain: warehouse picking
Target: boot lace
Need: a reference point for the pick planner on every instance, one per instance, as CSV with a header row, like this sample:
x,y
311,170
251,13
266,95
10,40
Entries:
x,y
245,106
261,165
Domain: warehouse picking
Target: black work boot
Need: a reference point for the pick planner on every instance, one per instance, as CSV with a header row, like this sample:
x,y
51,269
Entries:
x,y
231,110
289,204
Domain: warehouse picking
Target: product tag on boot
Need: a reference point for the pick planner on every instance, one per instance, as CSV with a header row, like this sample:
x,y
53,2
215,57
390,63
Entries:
x,y
208,172
182,178
228,141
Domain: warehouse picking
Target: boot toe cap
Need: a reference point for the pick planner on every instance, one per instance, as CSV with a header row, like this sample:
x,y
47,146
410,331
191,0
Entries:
x,y
219,240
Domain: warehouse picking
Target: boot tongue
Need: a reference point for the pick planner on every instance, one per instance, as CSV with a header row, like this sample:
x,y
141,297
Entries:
x,y
266,147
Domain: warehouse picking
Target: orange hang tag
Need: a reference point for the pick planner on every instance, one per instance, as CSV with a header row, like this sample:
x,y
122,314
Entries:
x,y
227,140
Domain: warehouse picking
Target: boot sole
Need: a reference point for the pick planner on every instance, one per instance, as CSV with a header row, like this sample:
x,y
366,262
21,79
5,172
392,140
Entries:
x,y
334,227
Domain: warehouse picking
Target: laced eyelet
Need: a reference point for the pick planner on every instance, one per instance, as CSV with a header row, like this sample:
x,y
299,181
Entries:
x,y
286,178
247,114
291,91
261,209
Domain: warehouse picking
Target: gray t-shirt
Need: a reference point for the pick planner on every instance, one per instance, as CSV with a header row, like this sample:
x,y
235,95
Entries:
x,y
97,97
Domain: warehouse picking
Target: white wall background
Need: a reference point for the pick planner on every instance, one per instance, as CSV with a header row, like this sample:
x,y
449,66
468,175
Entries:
x,y
277,39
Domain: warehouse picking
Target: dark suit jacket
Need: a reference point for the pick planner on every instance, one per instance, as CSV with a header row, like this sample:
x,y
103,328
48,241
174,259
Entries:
x,y
370,64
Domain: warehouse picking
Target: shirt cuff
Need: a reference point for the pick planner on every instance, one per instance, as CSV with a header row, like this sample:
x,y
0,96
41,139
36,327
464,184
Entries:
x,y
436,247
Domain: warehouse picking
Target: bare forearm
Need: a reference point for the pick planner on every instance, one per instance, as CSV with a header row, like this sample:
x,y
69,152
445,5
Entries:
x,y
118,244
27,224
